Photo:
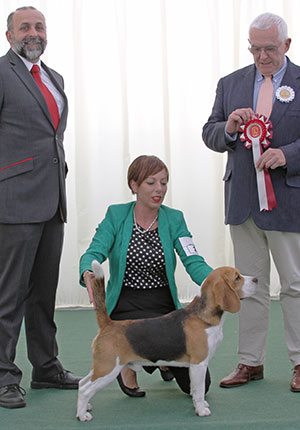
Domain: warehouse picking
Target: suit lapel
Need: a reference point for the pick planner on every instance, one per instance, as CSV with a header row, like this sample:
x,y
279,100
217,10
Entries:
x,y
64,113
247,85
24,75
291,78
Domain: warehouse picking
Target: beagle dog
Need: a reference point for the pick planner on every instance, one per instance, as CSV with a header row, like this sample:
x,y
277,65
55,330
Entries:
x,y
186,337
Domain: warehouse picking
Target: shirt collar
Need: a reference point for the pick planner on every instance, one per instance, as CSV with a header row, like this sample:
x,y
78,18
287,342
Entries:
x,y
27,63
278,75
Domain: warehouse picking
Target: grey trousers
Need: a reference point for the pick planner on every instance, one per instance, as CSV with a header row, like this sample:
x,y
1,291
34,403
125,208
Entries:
x,y
29,267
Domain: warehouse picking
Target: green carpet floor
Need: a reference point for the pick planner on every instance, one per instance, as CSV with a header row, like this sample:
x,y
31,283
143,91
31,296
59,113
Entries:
x,y
262,405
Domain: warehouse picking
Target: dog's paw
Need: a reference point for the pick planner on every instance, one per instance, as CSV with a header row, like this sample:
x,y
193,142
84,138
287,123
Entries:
x,y
202,409
85,417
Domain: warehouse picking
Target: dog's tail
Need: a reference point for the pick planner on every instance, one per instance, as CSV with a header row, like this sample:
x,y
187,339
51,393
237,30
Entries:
x,y
99,295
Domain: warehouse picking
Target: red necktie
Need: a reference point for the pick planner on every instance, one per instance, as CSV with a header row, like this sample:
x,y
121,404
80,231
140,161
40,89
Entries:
x,y
265,98
52,106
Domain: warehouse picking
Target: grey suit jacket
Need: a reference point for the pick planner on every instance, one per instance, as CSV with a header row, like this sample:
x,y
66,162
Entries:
x,y
241,198
32,159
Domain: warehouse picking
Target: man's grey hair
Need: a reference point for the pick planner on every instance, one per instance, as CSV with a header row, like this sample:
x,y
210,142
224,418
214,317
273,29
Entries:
x,y
266,20
10,16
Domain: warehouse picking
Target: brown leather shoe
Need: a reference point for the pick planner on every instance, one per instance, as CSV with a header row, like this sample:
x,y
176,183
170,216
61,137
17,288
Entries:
x,y
295,382
243,374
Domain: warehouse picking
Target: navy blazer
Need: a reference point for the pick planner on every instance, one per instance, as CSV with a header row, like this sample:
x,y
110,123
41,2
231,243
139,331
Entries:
x,y
241,197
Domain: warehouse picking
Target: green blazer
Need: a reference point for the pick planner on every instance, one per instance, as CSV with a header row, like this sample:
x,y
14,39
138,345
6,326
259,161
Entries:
x,y
112,238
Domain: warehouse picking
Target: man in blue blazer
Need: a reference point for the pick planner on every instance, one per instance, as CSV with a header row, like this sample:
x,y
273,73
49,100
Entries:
x,y
258,228
32,208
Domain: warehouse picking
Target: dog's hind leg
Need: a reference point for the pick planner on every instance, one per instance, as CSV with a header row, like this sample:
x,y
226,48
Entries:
x,y
83,398
88,388
197,377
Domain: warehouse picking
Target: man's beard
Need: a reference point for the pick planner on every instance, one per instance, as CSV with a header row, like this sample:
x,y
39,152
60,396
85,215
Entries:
x,y
29,52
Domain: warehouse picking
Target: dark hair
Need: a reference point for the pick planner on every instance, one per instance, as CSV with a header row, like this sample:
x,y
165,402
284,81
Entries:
x,y
143,167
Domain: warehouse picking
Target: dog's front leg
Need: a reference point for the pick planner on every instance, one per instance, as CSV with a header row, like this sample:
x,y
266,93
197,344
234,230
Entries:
x,y
197,377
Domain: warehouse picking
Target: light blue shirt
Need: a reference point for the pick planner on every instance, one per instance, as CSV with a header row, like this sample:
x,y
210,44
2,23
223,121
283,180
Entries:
x,y
276,81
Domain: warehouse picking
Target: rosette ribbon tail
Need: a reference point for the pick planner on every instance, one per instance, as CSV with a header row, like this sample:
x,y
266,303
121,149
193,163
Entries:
x,y
254,135
261,178
271,199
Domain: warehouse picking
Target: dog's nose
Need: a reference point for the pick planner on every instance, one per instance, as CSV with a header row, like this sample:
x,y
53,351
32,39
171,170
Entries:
x,y
255,280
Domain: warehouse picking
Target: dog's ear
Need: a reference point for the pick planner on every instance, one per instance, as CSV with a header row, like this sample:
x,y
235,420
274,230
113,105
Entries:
x,y
226,297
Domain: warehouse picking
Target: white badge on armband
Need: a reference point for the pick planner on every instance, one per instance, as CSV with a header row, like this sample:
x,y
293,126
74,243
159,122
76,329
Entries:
x,y
188,246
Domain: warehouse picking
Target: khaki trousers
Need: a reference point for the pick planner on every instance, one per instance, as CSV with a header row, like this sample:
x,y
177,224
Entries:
x,y
252,248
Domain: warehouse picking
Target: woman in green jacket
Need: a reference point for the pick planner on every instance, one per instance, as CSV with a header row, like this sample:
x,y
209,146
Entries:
x,y
139,239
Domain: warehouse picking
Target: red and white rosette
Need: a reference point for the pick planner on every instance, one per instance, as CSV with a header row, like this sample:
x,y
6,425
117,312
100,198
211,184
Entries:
x,y
257,134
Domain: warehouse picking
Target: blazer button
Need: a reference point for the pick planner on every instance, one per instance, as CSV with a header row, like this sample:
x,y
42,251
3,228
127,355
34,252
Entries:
x,y
55,160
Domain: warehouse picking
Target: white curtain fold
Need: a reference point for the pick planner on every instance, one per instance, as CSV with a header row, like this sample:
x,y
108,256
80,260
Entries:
x,y
141,76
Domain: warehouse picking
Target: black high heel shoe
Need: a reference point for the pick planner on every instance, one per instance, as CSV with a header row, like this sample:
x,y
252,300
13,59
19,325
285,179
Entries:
x,y
131,392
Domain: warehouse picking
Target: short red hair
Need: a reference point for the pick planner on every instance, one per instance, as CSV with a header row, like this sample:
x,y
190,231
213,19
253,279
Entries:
x,y
143,167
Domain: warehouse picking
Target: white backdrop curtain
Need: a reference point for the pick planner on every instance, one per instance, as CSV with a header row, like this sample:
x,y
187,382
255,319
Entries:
x,y
140,76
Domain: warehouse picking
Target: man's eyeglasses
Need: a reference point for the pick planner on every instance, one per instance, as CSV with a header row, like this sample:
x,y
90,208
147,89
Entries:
x,y
269,50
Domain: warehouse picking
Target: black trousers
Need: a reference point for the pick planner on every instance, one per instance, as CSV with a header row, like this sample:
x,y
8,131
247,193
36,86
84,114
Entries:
x,y
29,267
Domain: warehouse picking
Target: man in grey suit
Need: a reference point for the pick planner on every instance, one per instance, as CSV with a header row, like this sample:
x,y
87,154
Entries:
x,y
32,207
259,228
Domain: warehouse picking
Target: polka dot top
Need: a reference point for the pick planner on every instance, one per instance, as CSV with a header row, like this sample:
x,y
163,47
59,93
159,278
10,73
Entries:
x,y
145,264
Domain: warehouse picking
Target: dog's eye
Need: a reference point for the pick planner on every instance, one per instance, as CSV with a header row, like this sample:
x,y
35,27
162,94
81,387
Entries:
x,y
238,278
